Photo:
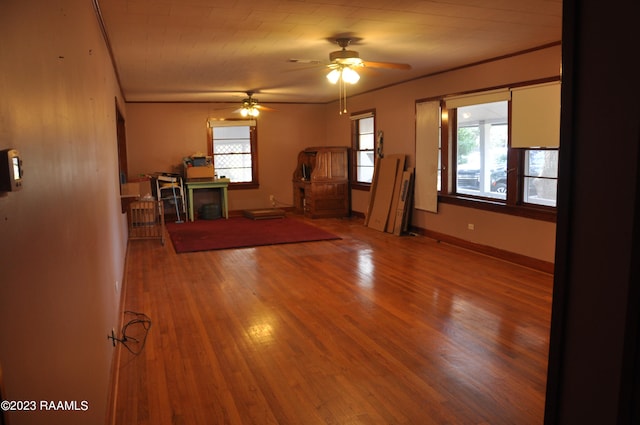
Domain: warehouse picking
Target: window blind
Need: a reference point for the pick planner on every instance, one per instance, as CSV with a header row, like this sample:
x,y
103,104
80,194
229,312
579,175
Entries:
x,y
231,123
535,116
477,98
427,143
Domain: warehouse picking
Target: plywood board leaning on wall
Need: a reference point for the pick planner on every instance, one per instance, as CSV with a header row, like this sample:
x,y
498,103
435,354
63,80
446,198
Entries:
x,y
382,196
372,189
374,181
396,194
403,211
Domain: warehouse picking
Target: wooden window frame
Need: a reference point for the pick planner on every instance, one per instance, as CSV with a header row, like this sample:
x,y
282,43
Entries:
x,y
253,140
513,204
357,185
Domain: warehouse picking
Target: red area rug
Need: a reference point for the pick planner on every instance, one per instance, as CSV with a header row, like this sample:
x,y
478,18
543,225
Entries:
x,y
241,232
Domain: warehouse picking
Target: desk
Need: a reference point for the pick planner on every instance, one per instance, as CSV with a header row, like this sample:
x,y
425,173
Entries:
x,y
206,183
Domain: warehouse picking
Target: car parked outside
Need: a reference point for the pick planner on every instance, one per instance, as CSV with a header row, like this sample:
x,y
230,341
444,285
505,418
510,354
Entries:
x,y
499,181
469,179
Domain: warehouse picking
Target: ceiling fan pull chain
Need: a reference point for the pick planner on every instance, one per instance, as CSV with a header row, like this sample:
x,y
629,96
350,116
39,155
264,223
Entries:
x,y
344,92
340,90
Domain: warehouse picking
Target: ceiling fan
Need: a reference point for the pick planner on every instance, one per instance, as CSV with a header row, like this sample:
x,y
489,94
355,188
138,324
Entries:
x,y
343,64
350,58
250,106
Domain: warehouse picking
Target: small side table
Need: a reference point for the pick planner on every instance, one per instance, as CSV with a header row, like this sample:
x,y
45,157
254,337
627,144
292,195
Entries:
x,y
207,183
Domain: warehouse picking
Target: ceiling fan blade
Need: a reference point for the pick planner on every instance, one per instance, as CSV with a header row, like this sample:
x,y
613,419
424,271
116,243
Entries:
x,y
259,107
306,64
389,65
306,61
265,108
304,68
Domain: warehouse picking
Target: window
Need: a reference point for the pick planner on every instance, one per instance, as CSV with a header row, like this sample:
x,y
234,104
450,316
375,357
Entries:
x,y
536,130
540,176
505,149
481,150
233,147
363,143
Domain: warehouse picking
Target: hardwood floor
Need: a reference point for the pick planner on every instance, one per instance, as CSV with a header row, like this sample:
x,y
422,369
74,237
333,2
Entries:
x,y
370,329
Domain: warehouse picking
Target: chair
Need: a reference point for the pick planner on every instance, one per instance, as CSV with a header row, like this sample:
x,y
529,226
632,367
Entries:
x,y
170,187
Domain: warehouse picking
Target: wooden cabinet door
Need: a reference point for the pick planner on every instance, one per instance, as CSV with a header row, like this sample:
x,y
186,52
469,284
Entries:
x,y
338,160
331,164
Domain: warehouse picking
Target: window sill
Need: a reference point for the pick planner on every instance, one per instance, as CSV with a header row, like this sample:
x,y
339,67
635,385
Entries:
x,y
528,211
361,186
238,186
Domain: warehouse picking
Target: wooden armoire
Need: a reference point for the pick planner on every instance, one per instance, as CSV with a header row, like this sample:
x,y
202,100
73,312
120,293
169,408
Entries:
x,y
321,182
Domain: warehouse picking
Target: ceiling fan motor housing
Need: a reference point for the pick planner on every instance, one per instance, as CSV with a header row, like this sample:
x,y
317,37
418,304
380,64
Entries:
x,y
249,102
346,57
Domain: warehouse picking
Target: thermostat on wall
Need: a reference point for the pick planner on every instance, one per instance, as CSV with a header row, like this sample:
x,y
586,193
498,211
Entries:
x,y
10,170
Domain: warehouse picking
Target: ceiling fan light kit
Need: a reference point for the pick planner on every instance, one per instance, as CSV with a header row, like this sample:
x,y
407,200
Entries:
x,y
249,111
333,76
343,73
349,75
250,106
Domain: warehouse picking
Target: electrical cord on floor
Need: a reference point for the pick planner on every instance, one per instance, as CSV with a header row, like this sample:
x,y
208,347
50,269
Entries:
x,y
135,345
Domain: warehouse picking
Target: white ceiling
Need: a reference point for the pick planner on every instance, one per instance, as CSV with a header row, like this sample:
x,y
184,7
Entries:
x,y
210,50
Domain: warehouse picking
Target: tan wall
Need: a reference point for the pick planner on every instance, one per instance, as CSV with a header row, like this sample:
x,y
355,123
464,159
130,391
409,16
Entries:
x,y
159,135
62,237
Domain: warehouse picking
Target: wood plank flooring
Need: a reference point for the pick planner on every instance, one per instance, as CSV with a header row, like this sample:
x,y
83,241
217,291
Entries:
x,y
370,329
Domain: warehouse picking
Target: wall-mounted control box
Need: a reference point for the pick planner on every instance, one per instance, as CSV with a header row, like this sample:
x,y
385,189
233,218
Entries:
x,y
10,170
